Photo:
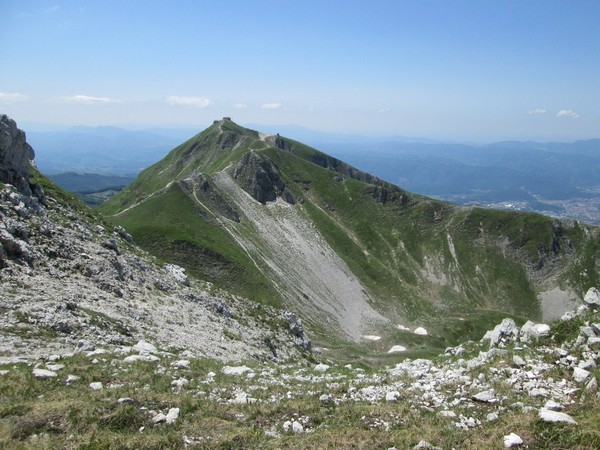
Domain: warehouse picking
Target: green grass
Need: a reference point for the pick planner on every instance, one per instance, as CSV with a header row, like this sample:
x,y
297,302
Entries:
x,y
47,413
390,239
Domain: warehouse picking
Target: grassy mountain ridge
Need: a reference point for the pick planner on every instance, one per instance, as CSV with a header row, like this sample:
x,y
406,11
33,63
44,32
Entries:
x,y
346,249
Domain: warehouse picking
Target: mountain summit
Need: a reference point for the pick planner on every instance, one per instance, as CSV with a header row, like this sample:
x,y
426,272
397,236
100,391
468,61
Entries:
x,y
285,224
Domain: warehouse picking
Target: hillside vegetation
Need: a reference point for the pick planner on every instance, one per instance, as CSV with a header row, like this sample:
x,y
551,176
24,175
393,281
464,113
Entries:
x,y
284,224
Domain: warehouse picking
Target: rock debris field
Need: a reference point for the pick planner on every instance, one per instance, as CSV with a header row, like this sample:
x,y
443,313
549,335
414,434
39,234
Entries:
x,y
514,371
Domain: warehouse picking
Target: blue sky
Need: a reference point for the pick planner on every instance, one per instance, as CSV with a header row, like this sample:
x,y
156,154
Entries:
x,y
464,70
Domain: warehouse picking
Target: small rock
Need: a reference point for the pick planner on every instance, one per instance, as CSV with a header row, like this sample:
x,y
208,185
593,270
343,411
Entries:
x,y
512,440
420,331
552,405
172,415
370,337
180,383
592,297
143,346
592,386
518,361
321,368
182,363
55,367
424,445
485,397
43,373
491,417
325,398
553,416
580,375
392,396
143,358
71,378
397,349
297,427
125,400
235,370
96,386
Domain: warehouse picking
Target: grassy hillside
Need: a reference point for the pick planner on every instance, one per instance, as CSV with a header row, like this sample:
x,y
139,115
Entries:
x,y
418,259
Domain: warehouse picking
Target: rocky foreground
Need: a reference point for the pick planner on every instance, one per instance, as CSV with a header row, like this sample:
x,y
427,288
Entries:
x,y
534,386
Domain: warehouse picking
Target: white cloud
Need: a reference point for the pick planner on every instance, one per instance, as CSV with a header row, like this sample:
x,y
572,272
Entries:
x,y
52,9
271,106
567,113
537,111
12,97
199,102
89,100
240,106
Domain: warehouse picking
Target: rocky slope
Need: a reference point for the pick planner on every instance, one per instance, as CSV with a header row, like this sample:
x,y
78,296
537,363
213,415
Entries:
x,y
533,386
70,282
285,224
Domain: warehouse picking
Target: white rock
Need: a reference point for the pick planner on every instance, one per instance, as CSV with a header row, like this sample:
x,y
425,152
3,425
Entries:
x,y
143,358
126,400
592,386
96,386
235,370
242,398
287,425
143,346
485,397
420,331
172,415
43,373
182,363
181,382
580,375
512,440
325,398
492,417
397,349
402,327
55,367
297,427
593,343
518,361
178,273
552,405
3,372
553,416
159,418
72,378
392,396
321,368
592,297
370,337
447,413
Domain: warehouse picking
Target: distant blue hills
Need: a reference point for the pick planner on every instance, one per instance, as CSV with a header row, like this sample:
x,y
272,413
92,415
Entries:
x,y
561,179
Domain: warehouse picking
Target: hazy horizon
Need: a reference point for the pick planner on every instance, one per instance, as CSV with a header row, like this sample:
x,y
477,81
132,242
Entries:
x,y
452,71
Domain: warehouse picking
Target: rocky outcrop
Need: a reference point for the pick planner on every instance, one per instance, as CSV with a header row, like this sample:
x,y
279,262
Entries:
x,y
16,155
261,179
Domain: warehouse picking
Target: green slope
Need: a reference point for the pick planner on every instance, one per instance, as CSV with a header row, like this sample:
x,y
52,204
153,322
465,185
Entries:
x,y
419,260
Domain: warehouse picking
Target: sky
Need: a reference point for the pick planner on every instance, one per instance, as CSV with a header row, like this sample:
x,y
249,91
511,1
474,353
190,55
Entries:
x,y
478,70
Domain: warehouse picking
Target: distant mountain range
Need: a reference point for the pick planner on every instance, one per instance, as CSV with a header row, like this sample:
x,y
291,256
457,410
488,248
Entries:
x,y
558,179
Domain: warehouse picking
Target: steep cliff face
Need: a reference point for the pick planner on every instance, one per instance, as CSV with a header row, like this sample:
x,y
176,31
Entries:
x,y
260,178
16,155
